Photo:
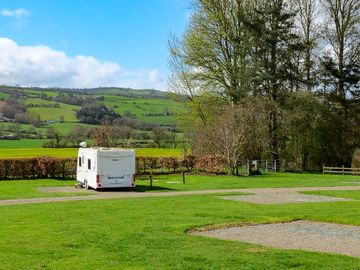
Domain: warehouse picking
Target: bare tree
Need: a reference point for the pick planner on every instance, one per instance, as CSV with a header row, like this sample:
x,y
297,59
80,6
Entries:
x,y
308,12
342,32
239,134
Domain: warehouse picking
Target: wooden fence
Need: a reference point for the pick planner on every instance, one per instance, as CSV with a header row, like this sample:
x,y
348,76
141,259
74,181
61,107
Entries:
x,y
341,170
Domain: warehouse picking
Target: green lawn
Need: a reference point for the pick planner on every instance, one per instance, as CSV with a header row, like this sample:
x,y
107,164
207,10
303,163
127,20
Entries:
x,y
164,183
352,194
72,152
200,182
20,189
150,233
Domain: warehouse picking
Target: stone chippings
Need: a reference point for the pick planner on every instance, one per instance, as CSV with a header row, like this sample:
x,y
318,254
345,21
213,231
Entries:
x,y
303,235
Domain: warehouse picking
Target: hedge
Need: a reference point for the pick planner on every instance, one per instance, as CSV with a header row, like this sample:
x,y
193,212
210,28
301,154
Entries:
x,y
49,167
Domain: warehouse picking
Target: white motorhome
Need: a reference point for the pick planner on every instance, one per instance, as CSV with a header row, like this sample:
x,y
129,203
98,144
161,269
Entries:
x,y
106,168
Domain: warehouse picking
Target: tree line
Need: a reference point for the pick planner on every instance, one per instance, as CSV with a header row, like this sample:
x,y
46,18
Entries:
x,y
271,79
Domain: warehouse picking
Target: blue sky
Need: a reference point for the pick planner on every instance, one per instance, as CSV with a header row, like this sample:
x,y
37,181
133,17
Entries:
x,y
59,42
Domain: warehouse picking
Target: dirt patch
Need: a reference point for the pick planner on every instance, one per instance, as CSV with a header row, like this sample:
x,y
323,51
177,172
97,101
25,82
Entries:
x,y
303,235
280,198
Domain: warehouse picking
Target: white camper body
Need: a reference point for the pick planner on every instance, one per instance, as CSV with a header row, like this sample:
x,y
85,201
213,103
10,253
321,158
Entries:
x,y
106,168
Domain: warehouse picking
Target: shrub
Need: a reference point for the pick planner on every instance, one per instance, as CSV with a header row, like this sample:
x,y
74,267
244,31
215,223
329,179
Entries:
x,y
40,167
210,164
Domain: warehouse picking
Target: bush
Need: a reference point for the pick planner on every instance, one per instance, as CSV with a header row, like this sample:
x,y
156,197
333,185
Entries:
x,y
210,164
44,167
41,167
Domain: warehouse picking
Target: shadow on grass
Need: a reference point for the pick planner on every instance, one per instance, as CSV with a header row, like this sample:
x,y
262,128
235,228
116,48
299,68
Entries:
x,y
138,188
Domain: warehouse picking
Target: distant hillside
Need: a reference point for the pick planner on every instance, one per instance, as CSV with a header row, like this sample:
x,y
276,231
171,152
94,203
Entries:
x,y
125,92
58,104
118,91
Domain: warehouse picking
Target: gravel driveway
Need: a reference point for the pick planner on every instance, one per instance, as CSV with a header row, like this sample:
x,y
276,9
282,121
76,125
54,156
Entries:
x,y
304,235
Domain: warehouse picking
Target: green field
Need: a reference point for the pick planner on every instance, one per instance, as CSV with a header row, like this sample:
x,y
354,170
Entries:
x,y
72,152
141,107
4,95
144,104
65,128
52,113
9,146
150,233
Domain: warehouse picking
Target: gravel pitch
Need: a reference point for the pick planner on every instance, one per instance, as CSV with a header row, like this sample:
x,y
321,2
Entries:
x,y
303,235
280,198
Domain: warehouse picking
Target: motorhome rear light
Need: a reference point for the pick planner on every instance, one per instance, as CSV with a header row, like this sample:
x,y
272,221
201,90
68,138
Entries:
x,y
132,184
97,178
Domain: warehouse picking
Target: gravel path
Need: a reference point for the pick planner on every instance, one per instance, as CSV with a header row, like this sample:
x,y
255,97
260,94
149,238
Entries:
x,y
304,235
94,195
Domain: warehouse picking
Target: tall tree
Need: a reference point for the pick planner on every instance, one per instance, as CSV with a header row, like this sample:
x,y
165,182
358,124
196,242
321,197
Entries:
x,y
308,11
341,64
342,32
215,50
275,46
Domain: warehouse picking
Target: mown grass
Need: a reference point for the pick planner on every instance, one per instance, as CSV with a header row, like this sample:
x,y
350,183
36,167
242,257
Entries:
x,y
165,183
352,194
72,152
21,189
200,182
150,233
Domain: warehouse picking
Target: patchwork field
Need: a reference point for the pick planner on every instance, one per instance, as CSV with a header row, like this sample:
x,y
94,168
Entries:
x,y
146,105
148,110
151,232
53,113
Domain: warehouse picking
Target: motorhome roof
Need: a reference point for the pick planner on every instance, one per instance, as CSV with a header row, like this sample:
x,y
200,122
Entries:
x,y
104,149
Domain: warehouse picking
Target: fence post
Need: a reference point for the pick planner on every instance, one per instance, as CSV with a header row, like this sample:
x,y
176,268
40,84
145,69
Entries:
x,y
275,165
248,167
323,168
151,180
343,169
266,166
183,176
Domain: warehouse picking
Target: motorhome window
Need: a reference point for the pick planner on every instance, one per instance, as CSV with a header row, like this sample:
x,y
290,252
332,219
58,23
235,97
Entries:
x,y
79,161
89,164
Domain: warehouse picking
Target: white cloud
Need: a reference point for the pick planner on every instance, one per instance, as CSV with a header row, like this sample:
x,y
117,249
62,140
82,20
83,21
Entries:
x,y
155,77
45,67
17,13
